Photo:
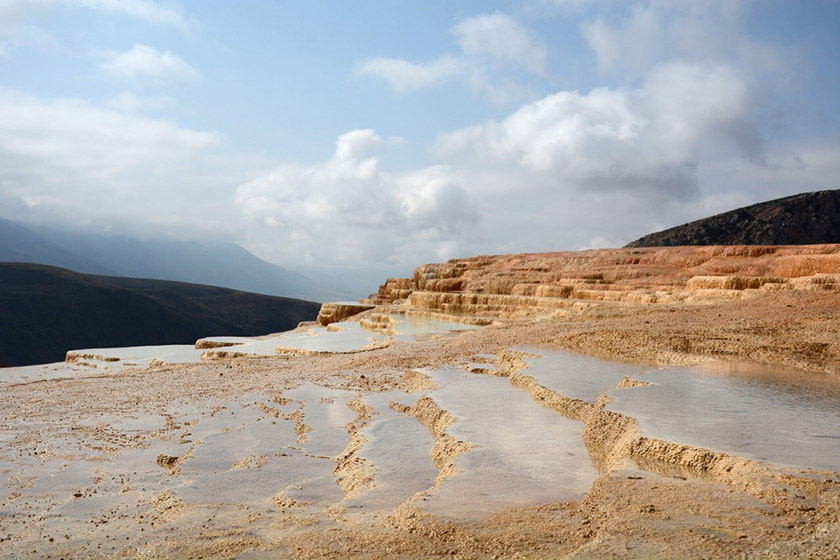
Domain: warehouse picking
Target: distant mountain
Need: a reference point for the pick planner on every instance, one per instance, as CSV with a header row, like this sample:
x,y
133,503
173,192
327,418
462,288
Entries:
x,y
356,282
19,243
802,219
227,265
45,311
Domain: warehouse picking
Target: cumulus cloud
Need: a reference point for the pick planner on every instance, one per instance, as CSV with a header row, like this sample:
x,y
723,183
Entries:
x,y
701,111
500,36
599,167
684,137
550,133
348,209
631,46
671,136
652,138
142,62
405,77
703,31
70,153
486,42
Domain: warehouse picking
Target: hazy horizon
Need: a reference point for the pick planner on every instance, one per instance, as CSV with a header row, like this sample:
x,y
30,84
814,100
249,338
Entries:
x,y
386,136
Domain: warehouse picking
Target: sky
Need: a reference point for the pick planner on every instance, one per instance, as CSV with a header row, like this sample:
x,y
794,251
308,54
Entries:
x,y
392,134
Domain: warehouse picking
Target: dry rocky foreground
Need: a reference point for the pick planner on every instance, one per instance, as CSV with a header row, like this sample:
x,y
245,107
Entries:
x,y
478,443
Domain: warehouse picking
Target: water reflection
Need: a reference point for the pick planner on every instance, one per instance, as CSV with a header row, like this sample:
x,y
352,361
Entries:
x,y
783,417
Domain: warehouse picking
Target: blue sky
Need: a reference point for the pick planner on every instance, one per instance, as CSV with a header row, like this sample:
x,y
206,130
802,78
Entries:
x,y
396,133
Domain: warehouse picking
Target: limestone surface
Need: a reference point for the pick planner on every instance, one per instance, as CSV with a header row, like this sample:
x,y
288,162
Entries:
x,y
452,443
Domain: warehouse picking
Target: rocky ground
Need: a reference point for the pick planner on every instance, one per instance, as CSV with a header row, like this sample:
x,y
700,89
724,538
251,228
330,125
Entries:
x,y
265,457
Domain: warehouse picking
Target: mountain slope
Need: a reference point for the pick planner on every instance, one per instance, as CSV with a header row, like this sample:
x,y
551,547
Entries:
x,y
19,243
802,219
227,265
45,311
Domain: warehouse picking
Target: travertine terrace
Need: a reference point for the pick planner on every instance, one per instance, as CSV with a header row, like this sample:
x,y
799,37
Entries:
x,y
651,275
562,287
464,444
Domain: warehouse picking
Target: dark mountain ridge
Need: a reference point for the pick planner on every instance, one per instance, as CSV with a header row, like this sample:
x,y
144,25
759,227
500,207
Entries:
x,y
46,311
19,243
802,219
228,264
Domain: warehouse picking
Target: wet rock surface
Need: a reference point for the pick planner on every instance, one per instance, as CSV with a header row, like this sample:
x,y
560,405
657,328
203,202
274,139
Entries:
x,y
474,442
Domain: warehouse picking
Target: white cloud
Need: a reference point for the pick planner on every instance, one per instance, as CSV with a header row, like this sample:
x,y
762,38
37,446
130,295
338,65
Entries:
x,y
23,35
501,37
484,42
677,141
788,168
146,10
687,139
648,140
702,31
142,62
15,32
405,77
701,111
548,134
13,12
71,153
630,47
16,29
128,102
347,209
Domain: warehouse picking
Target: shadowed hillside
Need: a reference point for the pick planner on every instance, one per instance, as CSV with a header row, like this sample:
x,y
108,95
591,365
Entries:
x,y
227,265
45,311
802,219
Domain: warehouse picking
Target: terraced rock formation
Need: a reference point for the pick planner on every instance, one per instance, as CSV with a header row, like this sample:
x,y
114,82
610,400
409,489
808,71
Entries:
x,y
359,439
528,284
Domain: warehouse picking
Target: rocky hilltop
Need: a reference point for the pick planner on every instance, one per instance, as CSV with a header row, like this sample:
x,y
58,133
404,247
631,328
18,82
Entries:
x,y
802,219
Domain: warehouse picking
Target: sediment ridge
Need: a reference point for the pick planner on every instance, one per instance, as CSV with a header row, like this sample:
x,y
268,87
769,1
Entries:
x,y
87,456
528,284
613,439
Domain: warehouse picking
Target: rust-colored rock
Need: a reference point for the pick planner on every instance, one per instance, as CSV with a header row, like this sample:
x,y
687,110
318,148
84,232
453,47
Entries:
x,y
394,289
527,284
332,312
